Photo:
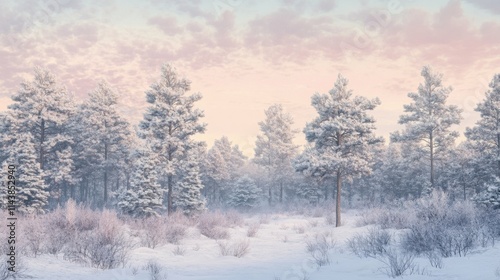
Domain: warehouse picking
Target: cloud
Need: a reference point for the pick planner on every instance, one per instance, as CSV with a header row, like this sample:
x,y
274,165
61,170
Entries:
x,y
168,25
492,6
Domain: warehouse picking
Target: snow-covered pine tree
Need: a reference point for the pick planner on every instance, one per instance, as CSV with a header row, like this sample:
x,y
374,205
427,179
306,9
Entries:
x,y
216,175
145,197
490,197
342,135
484,137
274,148
188,196
103,137
31,190
245,194
169,124
311,166
42,109
428,120
64,176
222,164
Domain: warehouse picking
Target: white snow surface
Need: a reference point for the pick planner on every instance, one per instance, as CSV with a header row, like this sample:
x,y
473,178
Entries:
x,y
278,251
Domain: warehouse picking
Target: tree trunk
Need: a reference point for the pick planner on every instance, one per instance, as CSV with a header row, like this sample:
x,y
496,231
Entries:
x,y
169,195
498,155
281,192
42,139
72,192
105,173
270,195
431,143
337,208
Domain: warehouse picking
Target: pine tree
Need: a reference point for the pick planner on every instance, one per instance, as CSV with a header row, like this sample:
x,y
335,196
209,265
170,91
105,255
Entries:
x,y
342,135
484,137
42,109
490,197
169,125
274,148
64,176
245,194
222,164
429,119
310,164
103,136
188,197
31,190
144,199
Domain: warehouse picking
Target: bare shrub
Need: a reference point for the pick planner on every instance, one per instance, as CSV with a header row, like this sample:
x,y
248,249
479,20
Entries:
x,y
238,249
253,229
397,218
103,247
397,263
213,225
319,246
299,229
87,219
435,259
58,229
180,218
233,218
153,233
174,233
452,231
374,243
155,271
20,271
32,236
179,251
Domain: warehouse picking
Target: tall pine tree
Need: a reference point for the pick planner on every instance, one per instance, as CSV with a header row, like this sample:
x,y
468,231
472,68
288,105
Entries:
x,y
274,148
170,122
342,134
484,137
428,121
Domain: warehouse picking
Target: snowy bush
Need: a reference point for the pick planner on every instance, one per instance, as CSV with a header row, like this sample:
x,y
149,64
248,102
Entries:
x,y
397,218
32,235
154,231
20,269
375,243
238,249
175,232
179,250
319,246
453,229
103,247
399,264
214,225
155,271
253,229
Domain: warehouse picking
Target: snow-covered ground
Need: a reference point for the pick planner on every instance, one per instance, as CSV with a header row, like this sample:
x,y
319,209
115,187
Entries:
x,y
278,251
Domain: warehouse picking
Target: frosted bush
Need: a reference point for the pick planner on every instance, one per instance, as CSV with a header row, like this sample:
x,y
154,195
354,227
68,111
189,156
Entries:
x,y
238,249
375,243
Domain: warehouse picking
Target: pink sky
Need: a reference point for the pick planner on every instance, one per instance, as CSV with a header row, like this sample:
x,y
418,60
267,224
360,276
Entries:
x,y
244,55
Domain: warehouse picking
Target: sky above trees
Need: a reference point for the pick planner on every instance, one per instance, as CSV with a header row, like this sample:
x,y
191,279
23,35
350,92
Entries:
x,y
245,55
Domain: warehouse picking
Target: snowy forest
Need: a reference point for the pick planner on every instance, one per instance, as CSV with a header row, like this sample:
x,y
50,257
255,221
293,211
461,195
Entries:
x,y
83,169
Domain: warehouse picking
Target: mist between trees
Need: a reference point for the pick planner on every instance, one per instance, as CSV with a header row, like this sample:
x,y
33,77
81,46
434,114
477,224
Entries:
x,y
89,153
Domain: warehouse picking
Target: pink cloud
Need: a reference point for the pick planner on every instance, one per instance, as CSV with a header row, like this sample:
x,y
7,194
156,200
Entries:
x,y
168,25
492,6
